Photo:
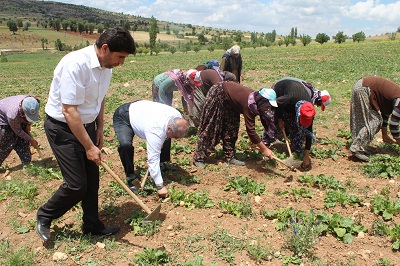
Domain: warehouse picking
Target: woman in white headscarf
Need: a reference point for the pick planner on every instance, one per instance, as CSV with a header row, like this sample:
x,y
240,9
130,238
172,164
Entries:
x,y
232,62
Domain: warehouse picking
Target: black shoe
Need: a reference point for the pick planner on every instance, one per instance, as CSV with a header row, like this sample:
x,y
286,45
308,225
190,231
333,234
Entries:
x,y
107,231
361,157
236,162
43,230
134,185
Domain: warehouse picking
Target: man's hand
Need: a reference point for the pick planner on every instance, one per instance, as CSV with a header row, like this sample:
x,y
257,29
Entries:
x,y
94,154
163,193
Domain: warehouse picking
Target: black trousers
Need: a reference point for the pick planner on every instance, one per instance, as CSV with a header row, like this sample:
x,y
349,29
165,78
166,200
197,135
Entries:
x,y
125,134
81,176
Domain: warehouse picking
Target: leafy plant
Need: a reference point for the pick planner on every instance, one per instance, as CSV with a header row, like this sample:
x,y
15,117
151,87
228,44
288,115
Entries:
x,y
382,165
197,199
321,181
245,185
386,208
301,192
344,228
178,148
333,197
283,216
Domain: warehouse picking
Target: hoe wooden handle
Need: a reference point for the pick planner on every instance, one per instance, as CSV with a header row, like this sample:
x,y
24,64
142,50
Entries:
x,y
115,176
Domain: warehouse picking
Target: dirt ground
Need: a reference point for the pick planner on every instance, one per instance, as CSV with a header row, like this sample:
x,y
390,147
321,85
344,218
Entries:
x,y
179,223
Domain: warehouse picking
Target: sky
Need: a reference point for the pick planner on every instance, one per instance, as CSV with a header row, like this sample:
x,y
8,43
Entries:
x,y
310,17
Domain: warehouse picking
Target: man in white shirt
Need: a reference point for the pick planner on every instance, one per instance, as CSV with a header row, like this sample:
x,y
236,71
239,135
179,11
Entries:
x,y
74,128
154,122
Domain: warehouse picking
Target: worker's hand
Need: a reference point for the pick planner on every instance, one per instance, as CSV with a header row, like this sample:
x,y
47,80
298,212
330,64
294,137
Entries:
x,y
94,154
281,125
398,141
387,139
34,143
163,193
268,153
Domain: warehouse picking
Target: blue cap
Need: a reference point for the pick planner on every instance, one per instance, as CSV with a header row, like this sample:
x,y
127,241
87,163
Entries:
x,y
270,95
30,106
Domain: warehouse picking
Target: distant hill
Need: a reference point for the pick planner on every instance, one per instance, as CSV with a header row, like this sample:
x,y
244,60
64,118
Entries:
x,y
48,10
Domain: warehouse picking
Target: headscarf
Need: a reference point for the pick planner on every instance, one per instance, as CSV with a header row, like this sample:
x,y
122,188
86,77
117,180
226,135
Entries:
x,y
211,63
185,87
304,129
255,103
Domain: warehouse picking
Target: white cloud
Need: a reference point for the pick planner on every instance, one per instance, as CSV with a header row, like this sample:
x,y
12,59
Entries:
x,y
309,16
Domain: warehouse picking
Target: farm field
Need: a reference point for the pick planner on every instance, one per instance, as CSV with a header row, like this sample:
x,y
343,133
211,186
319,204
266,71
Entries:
x,y
258,214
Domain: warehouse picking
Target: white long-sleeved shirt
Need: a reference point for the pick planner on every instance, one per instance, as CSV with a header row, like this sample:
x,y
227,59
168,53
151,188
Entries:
x,y
149,121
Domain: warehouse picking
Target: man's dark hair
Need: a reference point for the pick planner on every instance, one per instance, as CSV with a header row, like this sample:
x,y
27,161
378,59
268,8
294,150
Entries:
x,y
118,40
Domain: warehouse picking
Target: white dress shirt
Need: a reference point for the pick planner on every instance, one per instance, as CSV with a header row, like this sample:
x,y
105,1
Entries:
x,y
78,80
149,121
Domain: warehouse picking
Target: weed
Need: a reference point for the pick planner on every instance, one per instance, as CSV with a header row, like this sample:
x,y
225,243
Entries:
x,y
259,252
140,227
241,209
45,173
10,257
197,261
302,234
226,245
15,188
383,262
152,257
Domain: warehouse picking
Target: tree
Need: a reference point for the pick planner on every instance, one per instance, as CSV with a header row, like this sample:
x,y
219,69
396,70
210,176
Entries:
x,y
65,24
305,39
201,38
81,27
226,43
172,49
287,39
168,30
127,25
100,28
339,37
27,24
211,48
359,37
12,26
44,43
322,38
153,34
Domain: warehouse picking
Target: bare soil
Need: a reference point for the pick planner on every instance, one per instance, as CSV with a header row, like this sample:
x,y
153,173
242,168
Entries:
x,y
179,223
